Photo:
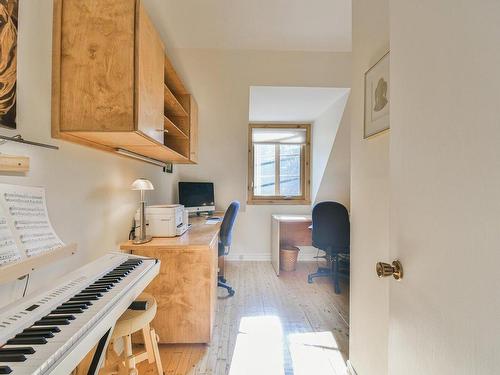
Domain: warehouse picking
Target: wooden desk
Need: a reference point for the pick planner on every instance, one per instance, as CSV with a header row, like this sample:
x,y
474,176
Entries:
x,y
288,230
186,288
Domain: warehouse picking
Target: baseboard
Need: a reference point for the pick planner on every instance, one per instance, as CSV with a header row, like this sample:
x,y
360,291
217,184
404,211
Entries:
x,y
350,369
248,257
306,254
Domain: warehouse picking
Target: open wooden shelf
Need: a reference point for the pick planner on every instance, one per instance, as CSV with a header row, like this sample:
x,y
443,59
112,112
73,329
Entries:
x,y
172,130
172,105
172,80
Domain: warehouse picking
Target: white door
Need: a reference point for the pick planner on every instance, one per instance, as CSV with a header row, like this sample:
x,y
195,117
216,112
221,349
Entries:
x,y
444,316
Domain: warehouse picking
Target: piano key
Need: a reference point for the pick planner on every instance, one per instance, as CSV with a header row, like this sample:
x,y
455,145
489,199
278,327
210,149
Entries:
x,y
59,317
84,294
17,350
45,334
119,273
83,299
5,370
12,358
81,305
96,290
42,329
27,341
66,310
51,323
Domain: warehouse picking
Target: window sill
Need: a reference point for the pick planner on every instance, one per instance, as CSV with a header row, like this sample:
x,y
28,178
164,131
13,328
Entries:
x,y
277,202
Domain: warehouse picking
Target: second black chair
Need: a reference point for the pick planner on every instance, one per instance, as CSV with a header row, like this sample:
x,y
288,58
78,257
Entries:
x,y
330,233
225,238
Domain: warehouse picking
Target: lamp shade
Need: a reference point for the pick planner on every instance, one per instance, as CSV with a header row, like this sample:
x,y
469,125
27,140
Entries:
x,y
142,184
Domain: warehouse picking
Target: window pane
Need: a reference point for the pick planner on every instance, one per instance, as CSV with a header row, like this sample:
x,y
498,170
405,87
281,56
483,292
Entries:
x,y
264,170
290,170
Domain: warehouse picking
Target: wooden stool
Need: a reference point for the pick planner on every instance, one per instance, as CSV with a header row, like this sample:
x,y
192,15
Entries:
x,y
133,321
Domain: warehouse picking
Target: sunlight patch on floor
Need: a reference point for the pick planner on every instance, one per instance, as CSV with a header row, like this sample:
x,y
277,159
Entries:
x,y
315,353
259,347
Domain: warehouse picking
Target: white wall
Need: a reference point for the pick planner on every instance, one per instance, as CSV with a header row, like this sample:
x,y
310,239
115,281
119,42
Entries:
x,y
220,80
324,133
336,182
88,193
369,200
445,178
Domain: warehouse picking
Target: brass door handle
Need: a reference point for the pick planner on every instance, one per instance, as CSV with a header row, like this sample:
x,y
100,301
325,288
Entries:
x,y
386,269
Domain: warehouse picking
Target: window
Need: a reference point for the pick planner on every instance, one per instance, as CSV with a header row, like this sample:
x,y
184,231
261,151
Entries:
x,y
278,164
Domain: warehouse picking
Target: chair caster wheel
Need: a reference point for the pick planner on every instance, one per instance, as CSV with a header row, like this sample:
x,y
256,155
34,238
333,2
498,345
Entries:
x,y
309,280
231,292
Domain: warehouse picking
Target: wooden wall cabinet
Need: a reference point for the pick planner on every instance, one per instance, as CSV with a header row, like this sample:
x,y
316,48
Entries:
x,y
113,86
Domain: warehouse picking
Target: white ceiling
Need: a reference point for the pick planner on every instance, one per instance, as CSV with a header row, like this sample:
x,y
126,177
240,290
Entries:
x,y
291,104
285,25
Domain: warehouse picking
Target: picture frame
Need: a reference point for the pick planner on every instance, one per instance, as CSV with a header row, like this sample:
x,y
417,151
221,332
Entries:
x,y
377,98
8,61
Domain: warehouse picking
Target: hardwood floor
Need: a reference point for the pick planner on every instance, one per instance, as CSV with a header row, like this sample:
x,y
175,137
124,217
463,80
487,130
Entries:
x,y
275,326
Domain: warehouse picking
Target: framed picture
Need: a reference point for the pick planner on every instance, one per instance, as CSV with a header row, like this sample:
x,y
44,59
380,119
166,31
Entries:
x,y
8,62
377,98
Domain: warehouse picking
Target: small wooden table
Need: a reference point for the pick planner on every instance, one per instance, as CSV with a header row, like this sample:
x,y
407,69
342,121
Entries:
x,y
186,288
288,230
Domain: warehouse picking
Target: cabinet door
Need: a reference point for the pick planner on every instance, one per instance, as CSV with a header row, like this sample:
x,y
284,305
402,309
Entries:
x,y
93,66
150,54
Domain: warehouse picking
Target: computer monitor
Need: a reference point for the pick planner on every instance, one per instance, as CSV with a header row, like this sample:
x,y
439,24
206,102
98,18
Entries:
x,y
197,196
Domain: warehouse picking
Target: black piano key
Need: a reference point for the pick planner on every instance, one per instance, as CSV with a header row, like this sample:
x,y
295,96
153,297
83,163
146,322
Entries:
x,y
84,294
114,279
43,329
27,341
46,334
58,317
110,284
80,305
66,310
61,322
119,273
18,350
96,290
83,299
5,370
12,358
103,282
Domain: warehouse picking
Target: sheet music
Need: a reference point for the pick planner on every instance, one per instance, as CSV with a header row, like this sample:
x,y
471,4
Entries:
x,y
9,251
26,209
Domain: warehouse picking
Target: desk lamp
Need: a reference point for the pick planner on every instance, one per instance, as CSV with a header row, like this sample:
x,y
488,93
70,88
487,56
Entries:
x,y
142,185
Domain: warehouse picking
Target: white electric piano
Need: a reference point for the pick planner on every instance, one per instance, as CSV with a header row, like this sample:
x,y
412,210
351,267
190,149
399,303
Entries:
x,y
51,331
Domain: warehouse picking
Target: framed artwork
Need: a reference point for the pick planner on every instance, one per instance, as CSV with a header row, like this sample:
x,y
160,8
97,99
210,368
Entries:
x,y
377,98
8,62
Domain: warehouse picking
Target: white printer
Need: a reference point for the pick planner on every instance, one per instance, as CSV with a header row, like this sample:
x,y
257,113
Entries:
x,y
167,220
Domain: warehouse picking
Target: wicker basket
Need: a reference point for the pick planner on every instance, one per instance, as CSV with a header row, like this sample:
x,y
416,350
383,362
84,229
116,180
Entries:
x,y
288,258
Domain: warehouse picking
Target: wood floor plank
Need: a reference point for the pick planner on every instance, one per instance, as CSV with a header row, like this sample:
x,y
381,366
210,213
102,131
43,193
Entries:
x,y
314,322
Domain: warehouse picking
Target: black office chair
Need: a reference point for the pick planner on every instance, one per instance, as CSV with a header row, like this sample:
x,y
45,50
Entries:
x,y
225,237
330,233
